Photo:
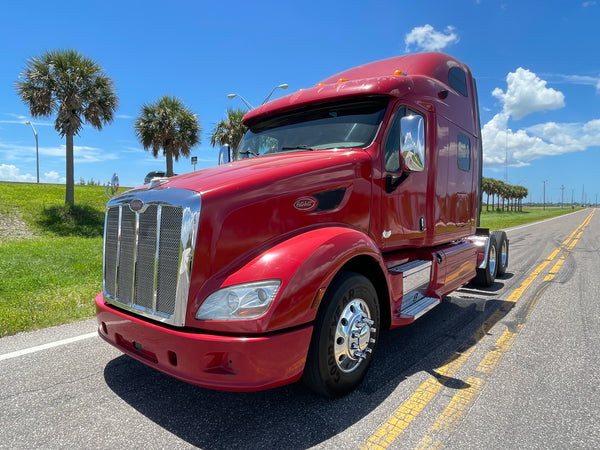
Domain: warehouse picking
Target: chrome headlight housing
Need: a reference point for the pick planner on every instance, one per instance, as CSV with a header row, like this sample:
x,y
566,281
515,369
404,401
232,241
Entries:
x,y
239,302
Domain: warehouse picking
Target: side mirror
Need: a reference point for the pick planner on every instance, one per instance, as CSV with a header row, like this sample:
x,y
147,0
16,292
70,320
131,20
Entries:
x,y
412,142
224,154
112,186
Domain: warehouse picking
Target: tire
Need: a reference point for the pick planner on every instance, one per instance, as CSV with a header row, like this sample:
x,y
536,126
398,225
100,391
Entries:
x,y
344,336
502,254
485,277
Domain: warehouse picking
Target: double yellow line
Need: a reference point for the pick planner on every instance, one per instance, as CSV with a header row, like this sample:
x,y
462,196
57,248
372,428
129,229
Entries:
x,y
450,418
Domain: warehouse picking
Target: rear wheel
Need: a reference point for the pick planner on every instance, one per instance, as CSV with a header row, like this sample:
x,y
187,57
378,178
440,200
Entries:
x,y
502,255
487,275
344,336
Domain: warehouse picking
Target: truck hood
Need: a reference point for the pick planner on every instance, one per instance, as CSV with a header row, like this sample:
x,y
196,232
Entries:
x,y
243,176
249,206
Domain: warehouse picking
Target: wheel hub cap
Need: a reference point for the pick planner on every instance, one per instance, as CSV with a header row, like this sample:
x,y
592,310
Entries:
x,y
353,340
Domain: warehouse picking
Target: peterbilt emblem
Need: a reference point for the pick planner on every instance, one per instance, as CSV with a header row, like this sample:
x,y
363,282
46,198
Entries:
x,y
136,205
306,203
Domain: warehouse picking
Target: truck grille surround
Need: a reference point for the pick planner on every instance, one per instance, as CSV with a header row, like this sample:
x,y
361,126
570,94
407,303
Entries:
x,y
149,242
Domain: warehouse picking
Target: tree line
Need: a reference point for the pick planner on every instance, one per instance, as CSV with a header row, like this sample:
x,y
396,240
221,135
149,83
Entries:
x,y
511,196
76,90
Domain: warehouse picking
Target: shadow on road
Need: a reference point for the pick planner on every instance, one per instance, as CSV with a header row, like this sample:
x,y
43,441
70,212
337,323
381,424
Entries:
x,y
291,416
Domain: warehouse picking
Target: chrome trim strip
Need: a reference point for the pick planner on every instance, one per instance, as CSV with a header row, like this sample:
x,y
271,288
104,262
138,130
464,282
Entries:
x,y
156,259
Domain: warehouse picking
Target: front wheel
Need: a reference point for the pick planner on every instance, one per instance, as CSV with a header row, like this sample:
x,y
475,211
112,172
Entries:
x,y
344,336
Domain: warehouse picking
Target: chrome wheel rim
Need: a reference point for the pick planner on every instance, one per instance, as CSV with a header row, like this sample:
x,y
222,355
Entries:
x,y
504,253
492,259
353,342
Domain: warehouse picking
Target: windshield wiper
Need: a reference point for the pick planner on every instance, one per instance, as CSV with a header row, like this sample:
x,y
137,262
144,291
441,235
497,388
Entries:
x,y
297,147
248,153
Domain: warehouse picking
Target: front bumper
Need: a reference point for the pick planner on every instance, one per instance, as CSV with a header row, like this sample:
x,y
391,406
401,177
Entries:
x,y
228,363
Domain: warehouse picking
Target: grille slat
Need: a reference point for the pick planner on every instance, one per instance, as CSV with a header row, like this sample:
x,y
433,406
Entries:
x,y
147,254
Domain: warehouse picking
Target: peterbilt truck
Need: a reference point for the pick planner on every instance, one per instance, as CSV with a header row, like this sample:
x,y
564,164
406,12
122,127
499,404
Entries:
x,y
348,208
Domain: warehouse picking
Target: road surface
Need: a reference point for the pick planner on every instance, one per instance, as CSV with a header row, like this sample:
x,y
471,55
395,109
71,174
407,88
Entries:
x,y
512,366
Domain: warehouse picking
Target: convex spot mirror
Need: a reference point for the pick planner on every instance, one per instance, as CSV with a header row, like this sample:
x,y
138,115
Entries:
x,y
224,155
412,142
112,186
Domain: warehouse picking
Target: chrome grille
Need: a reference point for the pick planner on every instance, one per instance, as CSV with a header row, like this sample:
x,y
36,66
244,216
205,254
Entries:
x,y
148,253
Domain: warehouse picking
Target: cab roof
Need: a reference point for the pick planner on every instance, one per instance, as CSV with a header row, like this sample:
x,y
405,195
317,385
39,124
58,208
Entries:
x,y
392,77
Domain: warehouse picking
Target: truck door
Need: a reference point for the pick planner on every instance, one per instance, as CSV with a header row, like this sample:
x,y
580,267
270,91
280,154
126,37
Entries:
x,y
404,202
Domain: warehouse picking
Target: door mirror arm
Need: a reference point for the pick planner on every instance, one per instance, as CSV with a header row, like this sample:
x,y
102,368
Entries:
x,y
393,181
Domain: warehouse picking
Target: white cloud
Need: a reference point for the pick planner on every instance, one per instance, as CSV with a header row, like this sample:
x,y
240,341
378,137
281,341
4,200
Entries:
x,y
428,39
8,172
81,154
12,173
527,93
585,80
53,177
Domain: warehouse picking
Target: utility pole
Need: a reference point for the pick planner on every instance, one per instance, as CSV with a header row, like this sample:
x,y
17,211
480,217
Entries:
x,y
572,194
544,202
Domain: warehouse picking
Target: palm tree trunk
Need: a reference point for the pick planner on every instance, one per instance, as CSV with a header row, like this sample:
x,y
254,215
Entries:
x,y
70,191
169,156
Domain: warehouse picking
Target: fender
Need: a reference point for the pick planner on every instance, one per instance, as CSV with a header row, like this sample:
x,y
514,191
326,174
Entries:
x,y
305,264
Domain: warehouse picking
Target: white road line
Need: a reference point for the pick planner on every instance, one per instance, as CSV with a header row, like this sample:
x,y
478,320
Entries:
x,y
38,348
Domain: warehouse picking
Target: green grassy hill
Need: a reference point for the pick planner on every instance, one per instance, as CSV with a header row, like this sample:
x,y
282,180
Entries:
x,y
50,255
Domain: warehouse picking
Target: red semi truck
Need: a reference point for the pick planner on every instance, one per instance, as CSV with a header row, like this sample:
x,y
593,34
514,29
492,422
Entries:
x,y
349,208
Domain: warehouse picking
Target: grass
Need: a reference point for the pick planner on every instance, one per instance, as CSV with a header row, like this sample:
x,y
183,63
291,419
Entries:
x,y
497,220
51,277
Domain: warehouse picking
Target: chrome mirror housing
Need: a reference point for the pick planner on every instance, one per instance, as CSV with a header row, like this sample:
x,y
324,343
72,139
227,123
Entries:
x,y
112,186
412,142
224,155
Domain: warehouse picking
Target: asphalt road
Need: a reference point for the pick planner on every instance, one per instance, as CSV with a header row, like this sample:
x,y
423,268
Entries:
x,y
512,366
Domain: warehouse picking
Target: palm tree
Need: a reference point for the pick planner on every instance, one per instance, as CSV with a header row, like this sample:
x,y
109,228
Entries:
x,y
76,89
169,125
487,187
229,131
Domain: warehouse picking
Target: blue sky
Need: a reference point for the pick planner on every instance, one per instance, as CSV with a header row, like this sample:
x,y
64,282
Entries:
x,y
537,65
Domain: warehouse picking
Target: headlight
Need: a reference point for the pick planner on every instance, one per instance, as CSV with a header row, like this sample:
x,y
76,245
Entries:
x,y
239,302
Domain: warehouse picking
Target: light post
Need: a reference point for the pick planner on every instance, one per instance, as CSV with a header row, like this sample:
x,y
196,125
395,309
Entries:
x,y
281,86
37,153
544,206
242,99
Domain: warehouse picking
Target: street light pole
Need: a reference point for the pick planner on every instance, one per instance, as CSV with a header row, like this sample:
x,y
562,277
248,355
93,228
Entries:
x,y
37,153
242,99
281,86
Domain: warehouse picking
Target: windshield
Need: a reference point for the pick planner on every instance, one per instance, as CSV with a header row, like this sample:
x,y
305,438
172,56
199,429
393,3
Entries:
x,y
348,124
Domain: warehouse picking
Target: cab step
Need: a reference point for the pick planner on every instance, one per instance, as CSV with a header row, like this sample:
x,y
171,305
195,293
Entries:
x,y
418,306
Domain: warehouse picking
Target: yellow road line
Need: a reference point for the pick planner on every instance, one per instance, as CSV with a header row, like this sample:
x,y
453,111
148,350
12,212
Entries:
x,y
410,409
490,360
385,435
562,259
450,419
